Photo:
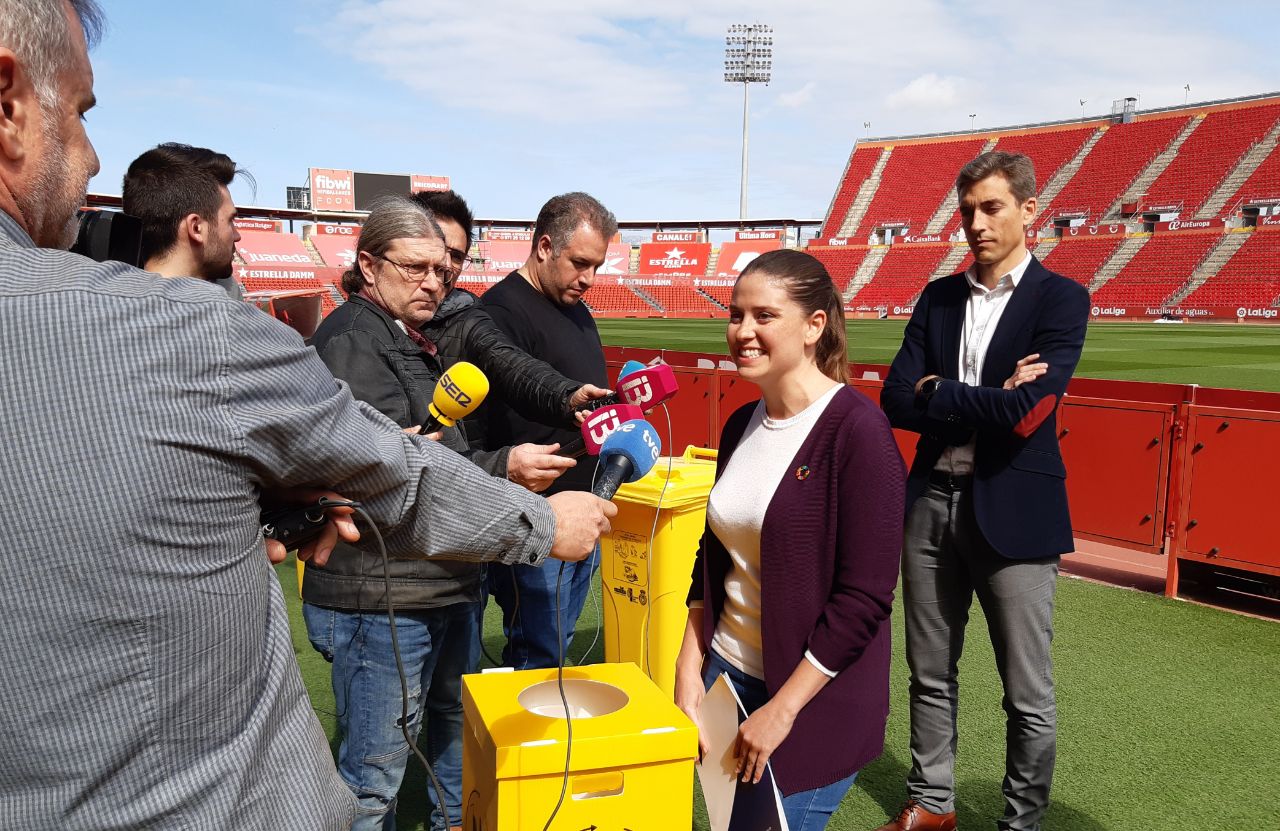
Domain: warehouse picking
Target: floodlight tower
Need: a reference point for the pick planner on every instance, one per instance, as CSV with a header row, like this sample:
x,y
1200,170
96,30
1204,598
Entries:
x,y
748,59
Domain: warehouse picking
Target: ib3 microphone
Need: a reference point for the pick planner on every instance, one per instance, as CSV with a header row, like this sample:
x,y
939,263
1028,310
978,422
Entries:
x,y
598,426
645,388
457,394
627,455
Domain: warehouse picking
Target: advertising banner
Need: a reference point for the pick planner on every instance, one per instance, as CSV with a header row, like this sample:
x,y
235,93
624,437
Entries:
x,y
273,226
676,236
263,248
749,235
676,258
419,183
734,256
332,190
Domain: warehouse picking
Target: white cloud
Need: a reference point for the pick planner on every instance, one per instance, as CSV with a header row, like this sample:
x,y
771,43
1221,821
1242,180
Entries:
x,y
799,98
929,91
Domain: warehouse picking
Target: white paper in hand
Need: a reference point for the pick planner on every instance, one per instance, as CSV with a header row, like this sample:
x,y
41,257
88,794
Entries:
x,y
731,804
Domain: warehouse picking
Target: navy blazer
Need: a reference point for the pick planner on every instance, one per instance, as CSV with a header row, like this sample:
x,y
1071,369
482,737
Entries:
x,y
1019,488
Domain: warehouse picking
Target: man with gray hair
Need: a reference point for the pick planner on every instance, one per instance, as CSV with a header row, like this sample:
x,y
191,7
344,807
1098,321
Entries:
x,y
538,307
401,273
149,673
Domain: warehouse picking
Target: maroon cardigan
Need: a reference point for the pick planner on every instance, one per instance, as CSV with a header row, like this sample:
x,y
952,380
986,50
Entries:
x,y
829,552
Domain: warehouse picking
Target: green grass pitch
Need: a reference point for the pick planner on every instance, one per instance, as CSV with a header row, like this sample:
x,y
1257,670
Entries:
x,y
1211,355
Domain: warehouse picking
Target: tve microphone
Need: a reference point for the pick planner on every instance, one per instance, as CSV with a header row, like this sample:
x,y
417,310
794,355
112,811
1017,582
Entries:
x,y
457,394
627,455
598,427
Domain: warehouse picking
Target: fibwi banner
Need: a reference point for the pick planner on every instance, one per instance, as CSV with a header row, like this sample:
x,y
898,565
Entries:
x,y
419,183
617,260
735,256
332,190
677,258
676,236
245,223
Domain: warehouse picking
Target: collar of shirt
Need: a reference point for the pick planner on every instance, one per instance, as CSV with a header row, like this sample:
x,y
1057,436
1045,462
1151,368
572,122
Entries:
x,y
1007,281
11,231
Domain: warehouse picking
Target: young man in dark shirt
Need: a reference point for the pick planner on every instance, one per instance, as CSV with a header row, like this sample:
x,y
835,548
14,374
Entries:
x,y
538,307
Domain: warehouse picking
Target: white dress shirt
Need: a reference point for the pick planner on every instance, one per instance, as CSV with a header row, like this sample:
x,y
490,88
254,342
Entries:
x,y
981,316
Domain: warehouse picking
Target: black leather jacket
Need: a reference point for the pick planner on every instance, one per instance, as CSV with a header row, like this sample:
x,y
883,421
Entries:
x,y
364,346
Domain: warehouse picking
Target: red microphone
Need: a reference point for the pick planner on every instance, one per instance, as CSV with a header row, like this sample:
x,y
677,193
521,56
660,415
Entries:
x,y
598,426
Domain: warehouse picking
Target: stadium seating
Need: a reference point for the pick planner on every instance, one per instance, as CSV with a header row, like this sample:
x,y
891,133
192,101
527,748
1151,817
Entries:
x,y
1208,155
1163,266
841,263
902,275
722,294
1264,183
617,299
1080,258
1113,164
1250,278
682,298
1049,150
861,164
911,189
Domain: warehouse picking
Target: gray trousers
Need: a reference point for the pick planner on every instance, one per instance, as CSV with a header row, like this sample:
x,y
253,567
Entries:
x,y
945,560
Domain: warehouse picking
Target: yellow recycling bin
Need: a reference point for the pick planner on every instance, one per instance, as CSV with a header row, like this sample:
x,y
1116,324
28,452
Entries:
x,y
630,764
644,569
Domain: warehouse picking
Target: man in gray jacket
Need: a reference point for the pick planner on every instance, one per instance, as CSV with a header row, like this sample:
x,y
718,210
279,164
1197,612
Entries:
x,y
149,673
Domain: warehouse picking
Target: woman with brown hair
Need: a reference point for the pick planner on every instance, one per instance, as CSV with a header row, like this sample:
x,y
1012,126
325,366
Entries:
x,y
794,578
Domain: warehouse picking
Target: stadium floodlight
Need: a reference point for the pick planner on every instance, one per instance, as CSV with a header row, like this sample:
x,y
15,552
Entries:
x,y
972,117
1083,101
748,59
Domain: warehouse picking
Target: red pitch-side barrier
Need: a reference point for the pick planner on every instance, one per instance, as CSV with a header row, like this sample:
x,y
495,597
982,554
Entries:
x,y
1181,471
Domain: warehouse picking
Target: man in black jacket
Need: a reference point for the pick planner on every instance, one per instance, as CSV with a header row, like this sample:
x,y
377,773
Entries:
x,y
401,274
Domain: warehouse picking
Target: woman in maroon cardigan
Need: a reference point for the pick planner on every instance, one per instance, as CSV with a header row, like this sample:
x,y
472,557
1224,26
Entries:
x,y
794,578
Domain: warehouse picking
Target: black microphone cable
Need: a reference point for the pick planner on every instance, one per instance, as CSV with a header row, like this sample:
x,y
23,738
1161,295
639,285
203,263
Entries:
x,y
395,649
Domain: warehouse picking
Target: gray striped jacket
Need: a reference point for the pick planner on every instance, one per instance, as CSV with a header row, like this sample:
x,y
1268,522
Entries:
x,y
147,677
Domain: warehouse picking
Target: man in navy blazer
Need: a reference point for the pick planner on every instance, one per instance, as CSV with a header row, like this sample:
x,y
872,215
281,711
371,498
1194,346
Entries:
x,y
984,363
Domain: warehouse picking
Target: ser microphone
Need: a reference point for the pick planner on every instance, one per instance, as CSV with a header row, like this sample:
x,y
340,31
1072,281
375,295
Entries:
x,y
598,427
457,394
627,455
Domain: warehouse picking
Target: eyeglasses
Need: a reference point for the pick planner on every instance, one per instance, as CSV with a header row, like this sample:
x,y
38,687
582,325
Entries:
x,y
461,259
417,272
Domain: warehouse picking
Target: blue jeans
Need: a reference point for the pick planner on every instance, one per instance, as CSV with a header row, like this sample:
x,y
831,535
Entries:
x,y
527,596
437,646
805,810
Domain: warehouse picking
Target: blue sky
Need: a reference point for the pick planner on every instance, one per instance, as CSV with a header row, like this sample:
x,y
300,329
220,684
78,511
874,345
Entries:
x,y
517,101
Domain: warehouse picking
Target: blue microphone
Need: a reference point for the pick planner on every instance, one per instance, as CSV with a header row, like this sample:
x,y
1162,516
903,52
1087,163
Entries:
x,y
628,368
627,455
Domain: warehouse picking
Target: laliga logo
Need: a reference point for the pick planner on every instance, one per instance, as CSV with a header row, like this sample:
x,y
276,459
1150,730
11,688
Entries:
x,y
1265,314
637,391
602,424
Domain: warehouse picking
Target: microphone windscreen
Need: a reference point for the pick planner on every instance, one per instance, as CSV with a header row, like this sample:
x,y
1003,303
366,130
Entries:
x,y
628,368
636,441
601,424
648,387
460,391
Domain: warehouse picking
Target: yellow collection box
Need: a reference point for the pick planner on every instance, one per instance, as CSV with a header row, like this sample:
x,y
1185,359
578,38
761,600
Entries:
x,y
631,757
646,561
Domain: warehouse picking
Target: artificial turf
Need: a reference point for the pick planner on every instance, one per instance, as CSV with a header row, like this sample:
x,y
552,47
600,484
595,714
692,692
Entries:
x,y
1167,717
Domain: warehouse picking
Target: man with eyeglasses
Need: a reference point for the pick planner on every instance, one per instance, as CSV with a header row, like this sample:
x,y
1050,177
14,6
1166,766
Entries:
x,y
402,272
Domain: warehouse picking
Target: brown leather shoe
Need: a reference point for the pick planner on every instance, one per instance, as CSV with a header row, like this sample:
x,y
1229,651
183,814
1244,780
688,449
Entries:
x,y
912,817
